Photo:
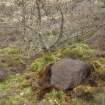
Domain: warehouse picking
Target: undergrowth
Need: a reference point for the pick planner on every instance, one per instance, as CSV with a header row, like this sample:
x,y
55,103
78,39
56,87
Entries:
x,y
15,93
11,59
81,51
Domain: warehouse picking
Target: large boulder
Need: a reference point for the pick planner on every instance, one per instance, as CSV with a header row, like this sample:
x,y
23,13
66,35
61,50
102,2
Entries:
x,y
68,73
64,75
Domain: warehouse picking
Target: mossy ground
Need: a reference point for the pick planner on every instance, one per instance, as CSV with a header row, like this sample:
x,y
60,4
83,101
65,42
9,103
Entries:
x,y
11,59
15,91
12,91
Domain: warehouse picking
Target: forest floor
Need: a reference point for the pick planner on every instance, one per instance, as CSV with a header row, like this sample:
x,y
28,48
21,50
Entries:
x,y
17,88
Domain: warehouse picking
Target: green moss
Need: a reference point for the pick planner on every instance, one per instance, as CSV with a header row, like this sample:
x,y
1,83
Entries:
x,y
10,51
39,63
75,51
60,98
57,97
11,58
15,93
55,94
77,101
21,98
99,65
84,88
11,80
78,50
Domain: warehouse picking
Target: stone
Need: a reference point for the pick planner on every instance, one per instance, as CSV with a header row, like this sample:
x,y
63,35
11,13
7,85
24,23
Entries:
x,y
67,73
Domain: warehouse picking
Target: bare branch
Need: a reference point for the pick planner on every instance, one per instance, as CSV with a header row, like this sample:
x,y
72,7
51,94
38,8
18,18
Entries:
x,y
61,30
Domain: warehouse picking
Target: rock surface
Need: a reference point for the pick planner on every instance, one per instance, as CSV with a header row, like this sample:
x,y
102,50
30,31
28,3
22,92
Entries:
x,y
68,73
